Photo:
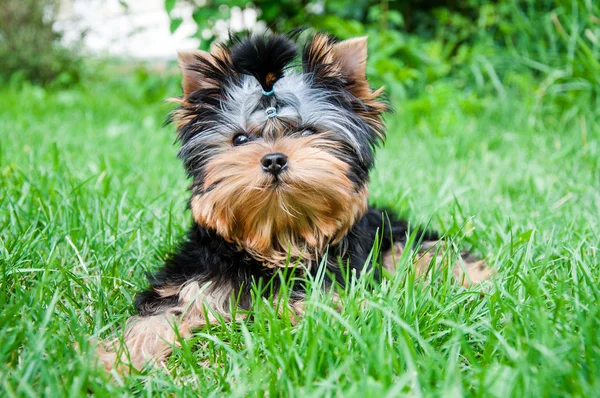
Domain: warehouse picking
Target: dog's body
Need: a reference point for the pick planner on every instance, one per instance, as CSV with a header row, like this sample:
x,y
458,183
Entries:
x,y
279,165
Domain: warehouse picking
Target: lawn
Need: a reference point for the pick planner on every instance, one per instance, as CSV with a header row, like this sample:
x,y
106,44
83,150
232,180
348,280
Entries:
x,y
92,197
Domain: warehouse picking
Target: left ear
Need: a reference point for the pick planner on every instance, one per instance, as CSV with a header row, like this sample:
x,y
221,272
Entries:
x,y
351,57
190,64
343,63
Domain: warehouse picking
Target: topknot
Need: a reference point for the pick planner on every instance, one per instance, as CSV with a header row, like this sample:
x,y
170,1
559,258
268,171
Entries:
x,y
265,58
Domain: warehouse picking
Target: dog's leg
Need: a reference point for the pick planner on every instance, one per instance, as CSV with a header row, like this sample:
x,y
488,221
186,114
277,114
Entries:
x,y
468,270
150,337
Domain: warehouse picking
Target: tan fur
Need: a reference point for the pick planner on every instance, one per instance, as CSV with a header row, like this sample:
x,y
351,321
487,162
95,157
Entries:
x,y
192,80
468,270
191,64
471,271
351,55
313,205
151,339
348,60
270,78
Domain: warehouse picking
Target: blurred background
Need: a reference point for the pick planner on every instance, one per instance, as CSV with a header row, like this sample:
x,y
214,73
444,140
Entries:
x,y
478,86
495,142
417,47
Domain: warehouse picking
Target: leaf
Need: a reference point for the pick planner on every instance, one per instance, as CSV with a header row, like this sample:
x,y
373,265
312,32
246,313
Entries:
x,y
175,23
395,19
202,15
169,5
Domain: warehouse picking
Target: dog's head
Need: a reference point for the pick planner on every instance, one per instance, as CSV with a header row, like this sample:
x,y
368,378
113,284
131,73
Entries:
x,y
279,151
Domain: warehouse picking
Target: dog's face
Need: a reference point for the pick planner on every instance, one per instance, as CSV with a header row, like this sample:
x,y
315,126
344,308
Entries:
x,y
279,155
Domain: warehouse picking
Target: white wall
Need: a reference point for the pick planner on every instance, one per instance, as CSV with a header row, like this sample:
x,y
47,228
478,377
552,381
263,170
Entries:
x,y
140,30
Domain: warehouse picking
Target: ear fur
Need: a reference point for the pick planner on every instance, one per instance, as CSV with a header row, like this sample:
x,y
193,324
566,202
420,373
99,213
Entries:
x,y
191,74
343,65
351,57
338,64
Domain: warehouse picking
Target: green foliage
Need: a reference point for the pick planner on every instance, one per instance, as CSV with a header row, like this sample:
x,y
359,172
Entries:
x,y
92,197
30,48
495,141
551,46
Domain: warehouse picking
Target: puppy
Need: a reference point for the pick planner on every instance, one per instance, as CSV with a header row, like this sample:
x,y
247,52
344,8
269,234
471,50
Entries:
x,y
278,146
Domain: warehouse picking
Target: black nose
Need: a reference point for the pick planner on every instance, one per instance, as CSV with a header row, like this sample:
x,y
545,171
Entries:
x,y
274,163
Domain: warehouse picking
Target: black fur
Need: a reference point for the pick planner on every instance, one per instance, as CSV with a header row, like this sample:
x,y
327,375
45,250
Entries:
x,y
233,273
313,62
260,56
205,257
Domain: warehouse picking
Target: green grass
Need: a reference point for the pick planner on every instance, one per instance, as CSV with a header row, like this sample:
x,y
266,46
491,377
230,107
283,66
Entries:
x,y
92,197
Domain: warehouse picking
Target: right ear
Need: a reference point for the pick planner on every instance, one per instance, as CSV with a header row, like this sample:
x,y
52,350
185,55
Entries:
x,y
191,65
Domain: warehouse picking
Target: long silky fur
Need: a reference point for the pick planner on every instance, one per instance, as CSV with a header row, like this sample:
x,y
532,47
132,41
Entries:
x,y
265,58
248,224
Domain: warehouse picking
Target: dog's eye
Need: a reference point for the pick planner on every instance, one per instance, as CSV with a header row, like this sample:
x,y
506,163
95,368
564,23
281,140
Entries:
x,y
307,132
240,139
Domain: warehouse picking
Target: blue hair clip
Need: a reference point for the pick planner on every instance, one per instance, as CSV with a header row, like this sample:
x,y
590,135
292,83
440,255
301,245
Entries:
x,y
269,93
271,112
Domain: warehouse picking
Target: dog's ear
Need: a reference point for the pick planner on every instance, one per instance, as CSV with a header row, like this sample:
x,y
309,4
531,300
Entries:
x,y
190,64
343,64
338,64
203,76
201,70
351,57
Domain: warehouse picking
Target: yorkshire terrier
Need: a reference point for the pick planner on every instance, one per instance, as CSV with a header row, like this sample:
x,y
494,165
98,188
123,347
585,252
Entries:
x,y
279,153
